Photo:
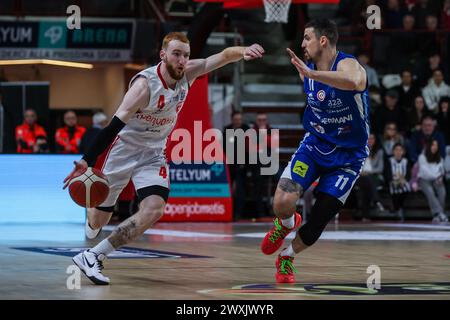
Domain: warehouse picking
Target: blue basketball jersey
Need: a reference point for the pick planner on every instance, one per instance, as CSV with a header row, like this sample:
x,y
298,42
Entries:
x,y
338,117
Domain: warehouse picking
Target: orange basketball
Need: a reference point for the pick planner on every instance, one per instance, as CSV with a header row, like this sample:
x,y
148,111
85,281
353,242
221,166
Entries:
x,y
89,188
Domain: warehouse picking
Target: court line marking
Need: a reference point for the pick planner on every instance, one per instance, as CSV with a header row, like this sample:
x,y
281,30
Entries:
x,y
370,235
177,233
326,235
412,225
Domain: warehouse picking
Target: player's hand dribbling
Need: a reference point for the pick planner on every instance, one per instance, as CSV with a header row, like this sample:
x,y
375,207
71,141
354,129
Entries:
x,y
253,52
301,67
79,166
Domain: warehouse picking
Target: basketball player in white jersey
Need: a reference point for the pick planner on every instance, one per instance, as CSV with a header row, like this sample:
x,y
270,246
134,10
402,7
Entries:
x,y
137,134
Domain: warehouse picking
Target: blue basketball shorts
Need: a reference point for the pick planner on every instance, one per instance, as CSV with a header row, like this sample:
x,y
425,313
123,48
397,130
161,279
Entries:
x,y
336,169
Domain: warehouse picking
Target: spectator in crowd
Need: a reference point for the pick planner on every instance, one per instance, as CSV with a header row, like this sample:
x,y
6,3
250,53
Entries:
x,y
407,90
30,136
370,179
99,121
390,112
419,139
376,104
422,9
238,171
418,111
445,16
428,41
390,137
425,72
403,45
410,4
397,174
443,118
42,143
431,180
263,132
393,14
432,23
447,170
445,24
372,75
435,90
376,101
68,138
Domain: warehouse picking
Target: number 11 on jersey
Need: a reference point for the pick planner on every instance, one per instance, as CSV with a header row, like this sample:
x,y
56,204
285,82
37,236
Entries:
x,y
342,181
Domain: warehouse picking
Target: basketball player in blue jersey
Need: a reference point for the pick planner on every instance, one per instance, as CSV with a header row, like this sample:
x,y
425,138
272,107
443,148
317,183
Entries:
x,y
333,150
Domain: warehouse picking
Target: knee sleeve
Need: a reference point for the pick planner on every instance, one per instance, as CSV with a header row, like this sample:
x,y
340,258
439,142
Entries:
x,y
324,209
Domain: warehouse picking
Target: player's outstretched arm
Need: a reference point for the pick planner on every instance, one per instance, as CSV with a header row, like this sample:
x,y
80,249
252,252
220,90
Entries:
x,y
349,74
136,97
198,67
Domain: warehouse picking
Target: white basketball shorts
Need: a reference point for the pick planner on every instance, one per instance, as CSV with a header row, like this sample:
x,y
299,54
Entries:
x,y
144,166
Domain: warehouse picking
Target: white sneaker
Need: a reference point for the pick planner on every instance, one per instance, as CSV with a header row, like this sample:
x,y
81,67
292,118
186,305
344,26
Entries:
x,y
89,232
92,266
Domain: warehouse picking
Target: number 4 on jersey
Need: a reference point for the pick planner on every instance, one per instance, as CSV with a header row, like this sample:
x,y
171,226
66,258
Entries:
x,y
163,172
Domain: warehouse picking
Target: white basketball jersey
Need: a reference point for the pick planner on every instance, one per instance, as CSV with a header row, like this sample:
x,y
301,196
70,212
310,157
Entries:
x,y
151,126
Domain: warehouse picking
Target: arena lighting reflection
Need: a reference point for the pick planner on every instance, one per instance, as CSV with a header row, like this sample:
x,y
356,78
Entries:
x,y
48,62
31,190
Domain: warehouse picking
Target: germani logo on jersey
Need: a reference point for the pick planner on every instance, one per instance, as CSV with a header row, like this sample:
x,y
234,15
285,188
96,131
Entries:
x,y
321,95
339,120
121,253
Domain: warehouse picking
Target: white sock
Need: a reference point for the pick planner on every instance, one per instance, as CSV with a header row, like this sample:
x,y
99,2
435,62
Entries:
x,y
104,247
289,222
289,251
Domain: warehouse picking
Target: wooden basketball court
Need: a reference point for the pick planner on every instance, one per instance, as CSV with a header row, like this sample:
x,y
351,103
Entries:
x,y
223,261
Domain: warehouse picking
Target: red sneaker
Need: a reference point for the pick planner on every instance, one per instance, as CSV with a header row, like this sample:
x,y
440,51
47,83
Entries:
x,y
285,269
275,237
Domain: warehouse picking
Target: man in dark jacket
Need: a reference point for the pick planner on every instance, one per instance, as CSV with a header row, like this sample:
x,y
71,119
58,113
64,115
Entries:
x,y
420,138
238,171
99,121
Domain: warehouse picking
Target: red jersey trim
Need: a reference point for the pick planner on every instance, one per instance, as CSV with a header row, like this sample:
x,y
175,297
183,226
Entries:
x,y
158,70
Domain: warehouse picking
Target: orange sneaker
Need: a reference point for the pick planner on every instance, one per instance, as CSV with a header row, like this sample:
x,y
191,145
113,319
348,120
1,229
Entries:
x,y
285,269
275,237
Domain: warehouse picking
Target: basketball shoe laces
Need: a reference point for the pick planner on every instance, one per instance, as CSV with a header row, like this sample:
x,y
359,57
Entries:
x,y
278,232
98,262
100,265
286,266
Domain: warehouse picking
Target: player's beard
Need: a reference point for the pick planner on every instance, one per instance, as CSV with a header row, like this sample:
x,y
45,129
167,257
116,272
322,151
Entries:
x,y
306,56
174,74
